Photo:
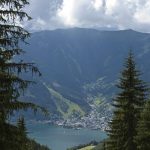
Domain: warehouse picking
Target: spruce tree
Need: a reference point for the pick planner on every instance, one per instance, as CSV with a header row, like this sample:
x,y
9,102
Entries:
x,y
22,135
128,104
12,85
142,138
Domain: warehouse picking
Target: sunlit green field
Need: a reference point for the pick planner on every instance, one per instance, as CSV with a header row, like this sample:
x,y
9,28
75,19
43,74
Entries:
x,y
87,148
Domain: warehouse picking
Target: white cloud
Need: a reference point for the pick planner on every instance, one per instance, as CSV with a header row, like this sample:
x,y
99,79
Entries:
x,y
97,4
43,13
67,12
121,14
143,13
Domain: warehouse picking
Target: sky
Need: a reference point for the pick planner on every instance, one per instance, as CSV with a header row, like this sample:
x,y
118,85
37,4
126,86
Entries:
x,y
99,14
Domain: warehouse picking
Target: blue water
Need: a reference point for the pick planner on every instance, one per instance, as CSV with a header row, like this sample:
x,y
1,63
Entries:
x,y
59,138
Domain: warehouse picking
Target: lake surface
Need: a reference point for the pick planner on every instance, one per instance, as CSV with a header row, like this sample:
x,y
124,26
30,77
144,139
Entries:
x,y
59,138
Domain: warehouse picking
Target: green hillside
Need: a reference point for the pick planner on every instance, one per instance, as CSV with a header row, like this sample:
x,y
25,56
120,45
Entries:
x,y
65,106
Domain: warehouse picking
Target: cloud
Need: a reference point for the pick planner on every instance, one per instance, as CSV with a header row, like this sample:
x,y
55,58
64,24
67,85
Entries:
x,y
120,14
44,14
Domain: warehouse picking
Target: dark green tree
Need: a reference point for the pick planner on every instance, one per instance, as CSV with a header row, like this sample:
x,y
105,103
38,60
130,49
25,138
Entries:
x,y
128,105
12,85
22,135
142,138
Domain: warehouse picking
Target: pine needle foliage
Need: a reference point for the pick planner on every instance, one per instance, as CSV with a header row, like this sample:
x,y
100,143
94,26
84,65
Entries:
x,y
128,105
12,85
142,138
11,34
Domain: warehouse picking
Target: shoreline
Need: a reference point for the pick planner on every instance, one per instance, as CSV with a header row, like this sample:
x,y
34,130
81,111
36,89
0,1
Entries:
x,y
73,126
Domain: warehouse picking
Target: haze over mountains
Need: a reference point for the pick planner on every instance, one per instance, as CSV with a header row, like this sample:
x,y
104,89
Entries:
x,y
80,65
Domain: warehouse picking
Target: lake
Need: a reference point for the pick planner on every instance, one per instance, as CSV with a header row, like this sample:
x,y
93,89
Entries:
x,y
59,138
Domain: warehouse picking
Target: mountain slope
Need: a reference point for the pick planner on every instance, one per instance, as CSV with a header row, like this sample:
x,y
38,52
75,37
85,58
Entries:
x,y
81,64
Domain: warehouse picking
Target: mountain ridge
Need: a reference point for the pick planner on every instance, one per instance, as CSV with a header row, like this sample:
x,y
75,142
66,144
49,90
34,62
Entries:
x,y
81,64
